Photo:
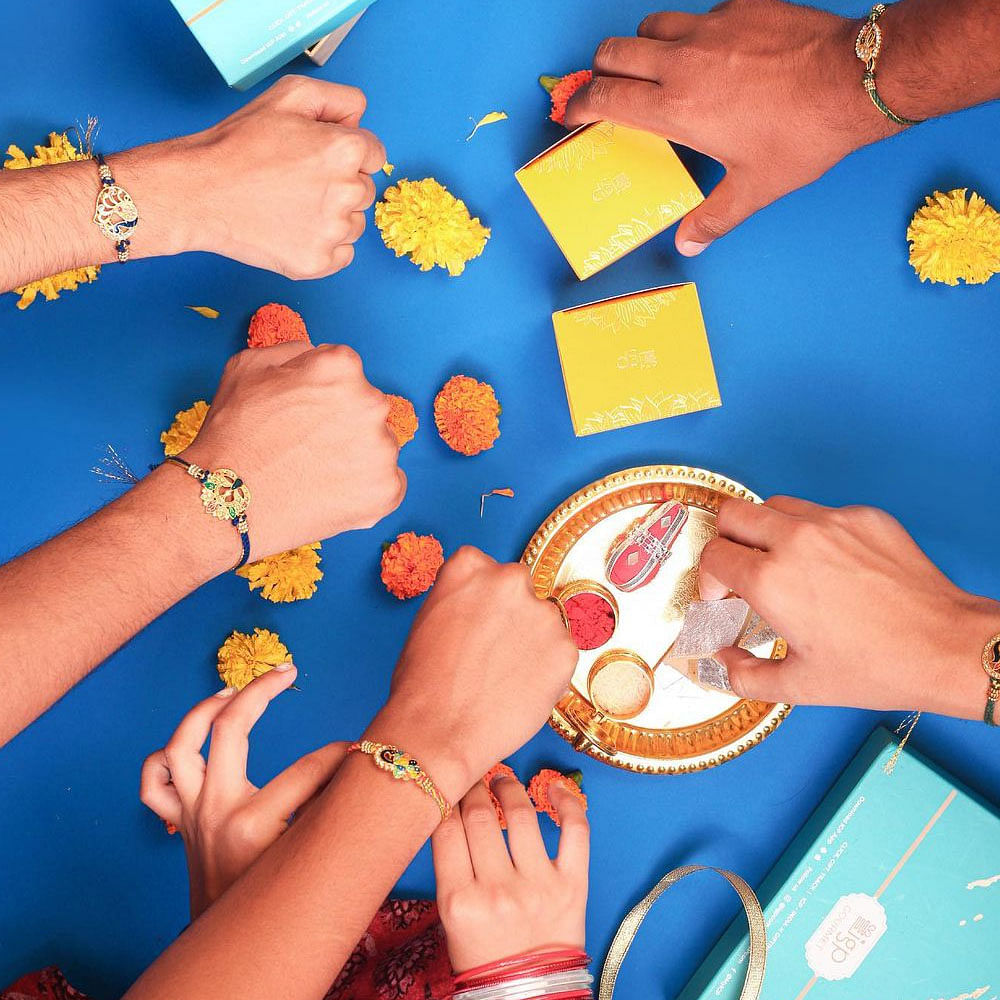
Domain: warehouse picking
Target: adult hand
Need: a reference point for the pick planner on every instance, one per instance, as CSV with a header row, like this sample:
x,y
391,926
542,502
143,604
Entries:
x,y
772,90
283,183
500,899
226,821
870,621
307,432
484,664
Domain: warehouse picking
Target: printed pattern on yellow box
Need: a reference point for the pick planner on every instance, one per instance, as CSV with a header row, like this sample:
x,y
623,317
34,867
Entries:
x,y
635,358
605,189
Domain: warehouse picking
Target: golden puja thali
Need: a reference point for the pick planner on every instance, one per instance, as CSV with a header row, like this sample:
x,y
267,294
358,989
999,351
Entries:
x,y
620,559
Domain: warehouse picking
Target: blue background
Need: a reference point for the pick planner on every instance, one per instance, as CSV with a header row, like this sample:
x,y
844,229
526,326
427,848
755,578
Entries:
x,y
843,380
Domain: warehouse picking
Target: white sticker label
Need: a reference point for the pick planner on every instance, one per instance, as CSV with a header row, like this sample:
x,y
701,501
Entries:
x,y
846,936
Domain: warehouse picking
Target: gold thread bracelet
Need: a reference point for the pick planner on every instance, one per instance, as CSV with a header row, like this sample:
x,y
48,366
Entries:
x,y
115,213
223,495
868,47
991,664
403,767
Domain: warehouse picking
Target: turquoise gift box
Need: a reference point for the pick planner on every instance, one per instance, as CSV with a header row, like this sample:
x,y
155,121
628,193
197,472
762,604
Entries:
x,y
248,39
891,891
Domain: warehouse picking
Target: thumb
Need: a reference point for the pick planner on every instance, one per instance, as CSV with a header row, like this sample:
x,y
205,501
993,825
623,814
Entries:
x,y
756,679
728,204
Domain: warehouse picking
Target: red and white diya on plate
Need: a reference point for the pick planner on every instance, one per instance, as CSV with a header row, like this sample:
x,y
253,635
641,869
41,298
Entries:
x,y
638,556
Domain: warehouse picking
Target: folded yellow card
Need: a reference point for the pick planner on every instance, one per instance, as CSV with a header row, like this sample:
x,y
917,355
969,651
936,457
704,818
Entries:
x,y
605,189
635,358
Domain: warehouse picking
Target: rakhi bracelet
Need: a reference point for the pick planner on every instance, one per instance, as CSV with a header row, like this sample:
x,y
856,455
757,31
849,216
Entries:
x,y
570,983
527,962
991,664
115,213
223,495
867,48
403,767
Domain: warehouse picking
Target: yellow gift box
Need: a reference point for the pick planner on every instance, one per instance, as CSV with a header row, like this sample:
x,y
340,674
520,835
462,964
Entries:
x,y
605,189
634,358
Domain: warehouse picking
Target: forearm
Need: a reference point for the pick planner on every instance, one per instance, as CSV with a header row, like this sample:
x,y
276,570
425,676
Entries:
x,y
68,604
939,56
46,213
313,892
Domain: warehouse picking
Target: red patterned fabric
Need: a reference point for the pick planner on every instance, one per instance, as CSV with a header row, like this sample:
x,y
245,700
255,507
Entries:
x,y
401,957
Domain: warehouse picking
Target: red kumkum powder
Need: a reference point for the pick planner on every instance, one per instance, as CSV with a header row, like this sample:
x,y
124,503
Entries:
x,y
591,620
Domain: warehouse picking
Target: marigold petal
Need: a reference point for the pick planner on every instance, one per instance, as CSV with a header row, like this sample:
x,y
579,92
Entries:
x,y
184,429
243,657
287,576
467,415
539,791
500,770
427,223
402,419
564,90
275,323
410,564
953,239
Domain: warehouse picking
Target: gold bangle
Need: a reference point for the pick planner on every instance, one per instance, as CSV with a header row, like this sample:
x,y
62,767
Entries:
x,y
991,664
403,767
867,47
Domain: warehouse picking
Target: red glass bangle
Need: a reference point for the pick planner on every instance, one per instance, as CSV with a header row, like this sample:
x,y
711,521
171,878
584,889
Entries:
x,y
533,963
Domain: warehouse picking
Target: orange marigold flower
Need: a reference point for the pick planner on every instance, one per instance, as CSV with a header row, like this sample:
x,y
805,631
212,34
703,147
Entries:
x,y
410,564
467,415
540,786
563,90
402,419
498,771
275,324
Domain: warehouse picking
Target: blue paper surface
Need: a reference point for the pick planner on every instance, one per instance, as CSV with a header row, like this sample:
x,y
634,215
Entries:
x,y
843,380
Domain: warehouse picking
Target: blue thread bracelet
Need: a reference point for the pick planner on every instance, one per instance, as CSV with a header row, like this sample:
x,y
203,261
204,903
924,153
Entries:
x,y
223,495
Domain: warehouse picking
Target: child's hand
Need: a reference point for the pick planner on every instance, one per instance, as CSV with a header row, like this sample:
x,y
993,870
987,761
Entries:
x,y
500,899
227,822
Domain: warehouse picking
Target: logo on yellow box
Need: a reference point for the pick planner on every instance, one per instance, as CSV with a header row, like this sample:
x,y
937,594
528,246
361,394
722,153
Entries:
x,y
635,358
605,189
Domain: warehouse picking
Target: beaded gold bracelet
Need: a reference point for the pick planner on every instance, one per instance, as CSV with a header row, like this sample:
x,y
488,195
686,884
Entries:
x,y
991,664
403,767
867,48
115,213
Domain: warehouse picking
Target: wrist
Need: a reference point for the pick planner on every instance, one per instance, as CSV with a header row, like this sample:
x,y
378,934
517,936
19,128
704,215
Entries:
x,y
158,177
959,685
203,547
411,728
849,110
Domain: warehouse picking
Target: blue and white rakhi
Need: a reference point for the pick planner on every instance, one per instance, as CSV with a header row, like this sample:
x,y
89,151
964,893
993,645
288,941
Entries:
x,y
115,213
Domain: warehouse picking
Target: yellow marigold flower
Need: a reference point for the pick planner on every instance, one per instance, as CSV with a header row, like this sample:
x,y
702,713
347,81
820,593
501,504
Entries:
x,y
287,576
59,150
243,657
184,429
467,415
952,239
425,221
402,419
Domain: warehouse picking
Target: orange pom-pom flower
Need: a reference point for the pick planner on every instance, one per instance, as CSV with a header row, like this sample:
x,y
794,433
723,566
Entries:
x,y
561,89
498,771
402,419
467,415
540,787
410,564
275,324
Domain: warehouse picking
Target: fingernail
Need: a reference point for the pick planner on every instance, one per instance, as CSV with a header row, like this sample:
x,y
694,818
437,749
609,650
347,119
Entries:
x,y
691,248
713,674
287,665
226,692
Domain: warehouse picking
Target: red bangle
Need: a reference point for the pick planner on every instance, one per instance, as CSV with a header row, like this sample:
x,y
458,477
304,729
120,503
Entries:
x,y
523,964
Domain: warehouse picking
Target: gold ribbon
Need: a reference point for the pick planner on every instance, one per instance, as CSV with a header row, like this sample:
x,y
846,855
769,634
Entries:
x,y
625,935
